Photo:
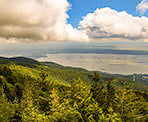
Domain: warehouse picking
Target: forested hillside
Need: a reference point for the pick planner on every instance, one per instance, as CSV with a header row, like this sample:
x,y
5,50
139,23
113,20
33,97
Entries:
x,y
48,92
65,74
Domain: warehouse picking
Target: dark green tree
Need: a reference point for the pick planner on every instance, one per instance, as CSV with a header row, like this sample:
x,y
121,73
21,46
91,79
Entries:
x,y
110,96
97,89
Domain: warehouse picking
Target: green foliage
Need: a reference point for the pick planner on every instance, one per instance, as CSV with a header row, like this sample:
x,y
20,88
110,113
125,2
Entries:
x,y
46,94
130,106
110,95
97,89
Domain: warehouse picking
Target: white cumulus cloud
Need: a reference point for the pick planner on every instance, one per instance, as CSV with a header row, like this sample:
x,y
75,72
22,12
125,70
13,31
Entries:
x,y
26,20
46,20
143,6
107,23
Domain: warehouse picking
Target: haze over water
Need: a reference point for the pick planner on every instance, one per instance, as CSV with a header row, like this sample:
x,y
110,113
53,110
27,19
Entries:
x,y
121,64
120,58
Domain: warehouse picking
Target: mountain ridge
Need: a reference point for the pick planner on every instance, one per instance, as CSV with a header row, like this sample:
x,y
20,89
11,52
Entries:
x,y
29,62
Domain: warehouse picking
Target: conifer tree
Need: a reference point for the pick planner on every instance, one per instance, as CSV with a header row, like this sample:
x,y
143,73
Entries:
x,y
97,89
130,106
84,103
110,96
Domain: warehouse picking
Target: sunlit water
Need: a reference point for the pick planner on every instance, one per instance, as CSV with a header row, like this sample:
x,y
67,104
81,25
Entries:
x,y
121,64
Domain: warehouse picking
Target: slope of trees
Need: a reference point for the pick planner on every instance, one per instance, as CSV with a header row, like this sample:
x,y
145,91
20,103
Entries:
x,y
63,74
32,94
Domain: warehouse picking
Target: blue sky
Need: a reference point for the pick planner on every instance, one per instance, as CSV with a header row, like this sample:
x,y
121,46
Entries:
x,y
81,8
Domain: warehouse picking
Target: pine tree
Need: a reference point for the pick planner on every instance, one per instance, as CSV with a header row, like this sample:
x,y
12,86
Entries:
x,y
97,89
84,103
130,106
110,96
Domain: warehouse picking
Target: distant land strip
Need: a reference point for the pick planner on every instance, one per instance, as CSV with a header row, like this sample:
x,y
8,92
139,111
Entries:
x,y
99,51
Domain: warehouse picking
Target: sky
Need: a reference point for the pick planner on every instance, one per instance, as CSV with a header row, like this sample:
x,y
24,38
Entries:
x,y
37,28
38,21
81,8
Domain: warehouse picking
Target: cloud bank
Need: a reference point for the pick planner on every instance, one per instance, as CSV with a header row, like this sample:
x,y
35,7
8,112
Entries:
x,y
37,20
142,7
108,23
46,20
